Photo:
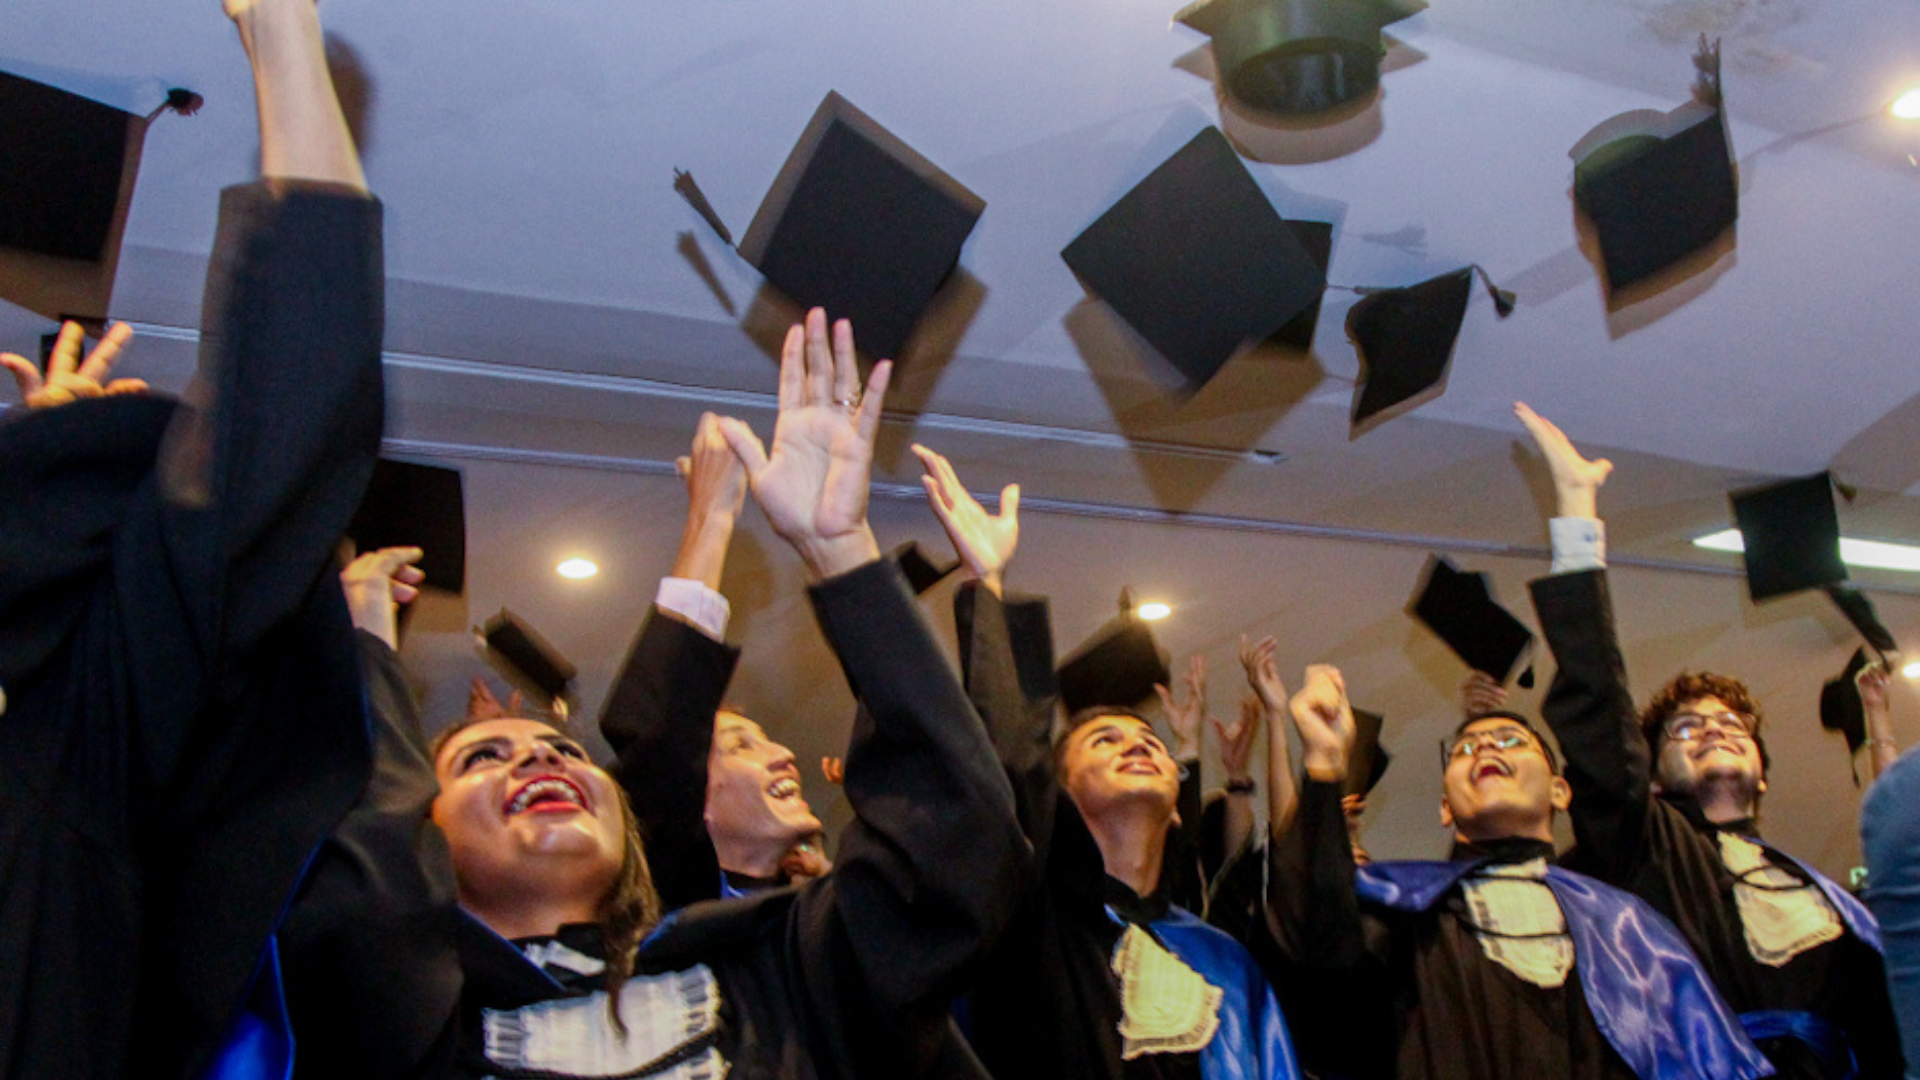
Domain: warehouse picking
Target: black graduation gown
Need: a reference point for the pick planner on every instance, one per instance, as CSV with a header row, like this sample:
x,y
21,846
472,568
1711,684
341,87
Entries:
x,y
1373,992
659,722
1669,854
849,976
182,709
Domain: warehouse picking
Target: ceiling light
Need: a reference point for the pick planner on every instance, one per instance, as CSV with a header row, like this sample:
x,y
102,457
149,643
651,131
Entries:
x,y
577,568
1866,554
1153,610
1907,105
1912,670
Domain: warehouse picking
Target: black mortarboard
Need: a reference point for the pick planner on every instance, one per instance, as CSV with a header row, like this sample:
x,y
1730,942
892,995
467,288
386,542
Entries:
x,y
1840,706
67,167
921,572
1658,186
859,223
413,505
1458,606
1367,762
1791,533
1118,665
1296,56
1405,339
1195,259
524,653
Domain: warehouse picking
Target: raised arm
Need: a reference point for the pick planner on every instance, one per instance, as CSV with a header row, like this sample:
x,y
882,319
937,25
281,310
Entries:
x,y
1263,678
659,717
1006,643
303,133
1876,686
1589,706
930,868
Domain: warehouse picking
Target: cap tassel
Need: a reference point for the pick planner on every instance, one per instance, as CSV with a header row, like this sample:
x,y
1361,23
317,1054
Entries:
x,y
180,100
1503,299
689,190
1706,79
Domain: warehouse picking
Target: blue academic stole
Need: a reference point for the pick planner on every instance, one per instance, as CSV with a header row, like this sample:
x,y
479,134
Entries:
x,y
1648,994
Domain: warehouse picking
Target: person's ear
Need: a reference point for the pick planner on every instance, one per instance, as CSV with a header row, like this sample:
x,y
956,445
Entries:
x,y
1562,794
1446,813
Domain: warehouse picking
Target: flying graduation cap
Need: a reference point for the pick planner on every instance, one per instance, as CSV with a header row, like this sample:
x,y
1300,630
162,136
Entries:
x,y
857,222
518,650
1459,607
1658,187
1405,338
414,505
1195,259
1841,708
1296,57
1119,664
1790,531
67,170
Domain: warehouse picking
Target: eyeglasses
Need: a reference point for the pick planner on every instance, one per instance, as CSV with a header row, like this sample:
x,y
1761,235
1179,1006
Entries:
x,y
1688,727
1500,738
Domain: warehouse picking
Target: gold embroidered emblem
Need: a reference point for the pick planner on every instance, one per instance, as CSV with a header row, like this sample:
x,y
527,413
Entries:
x,y
1166,1007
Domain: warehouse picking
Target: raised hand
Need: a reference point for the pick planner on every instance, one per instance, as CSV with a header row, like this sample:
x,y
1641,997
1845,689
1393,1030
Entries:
x,y
69,378
984,542
1480,695
376,584
1185,713
1325,721
813,484
1236,740
716,490
1263,672
1576,480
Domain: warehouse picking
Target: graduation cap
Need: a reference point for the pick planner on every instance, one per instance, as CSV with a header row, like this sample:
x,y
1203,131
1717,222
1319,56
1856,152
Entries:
x,y
1316,239
1859,611
67,170
1293,57
1791,533
1459,606
1405,339
921,572
1658,187
1840,706
413,505
1118,665
1196,261
859,223
520,650
1367,762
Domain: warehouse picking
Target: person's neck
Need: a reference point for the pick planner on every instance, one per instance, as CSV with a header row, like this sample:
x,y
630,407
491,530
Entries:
x,y
754,858
514,919
1133,845
1725,800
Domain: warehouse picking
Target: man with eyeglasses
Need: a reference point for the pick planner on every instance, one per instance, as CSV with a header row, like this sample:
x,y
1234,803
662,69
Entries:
x,y
1665,802
1495,963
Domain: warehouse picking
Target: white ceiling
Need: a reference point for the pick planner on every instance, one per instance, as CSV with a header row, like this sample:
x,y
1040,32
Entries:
x,y
554,303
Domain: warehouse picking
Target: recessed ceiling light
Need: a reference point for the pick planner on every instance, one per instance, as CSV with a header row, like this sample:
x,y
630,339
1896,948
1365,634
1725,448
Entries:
x,y
1869,554
577,568
1153,610
1907,105
1912,670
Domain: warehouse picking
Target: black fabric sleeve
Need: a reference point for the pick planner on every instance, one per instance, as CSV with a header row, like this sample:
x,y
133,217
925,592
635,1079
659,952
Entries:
x,y
1312,911
659,722
1591,713
934,860
1006,663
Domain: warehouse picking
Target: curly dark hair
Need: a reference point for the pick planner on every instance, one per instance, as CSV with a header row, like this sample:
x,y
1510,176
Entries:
x,y
1690,686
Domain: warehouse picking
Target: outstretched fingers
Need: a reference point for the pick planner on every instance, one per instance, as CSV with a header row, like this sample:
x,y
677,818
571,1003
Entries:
x,y
745,444
866,422
99,362
26,374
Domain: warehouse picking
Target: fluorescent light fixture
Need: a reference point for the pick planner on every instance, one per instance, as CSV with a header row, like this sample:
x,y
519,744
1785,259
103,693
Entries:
x,y
1907,105
577,568
1153,610
1867,554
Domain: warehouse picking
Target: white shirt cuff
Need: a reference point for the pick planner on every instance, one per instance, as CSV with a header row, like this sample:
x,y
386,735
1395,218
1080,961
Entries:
x,y
1578,544
706,609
